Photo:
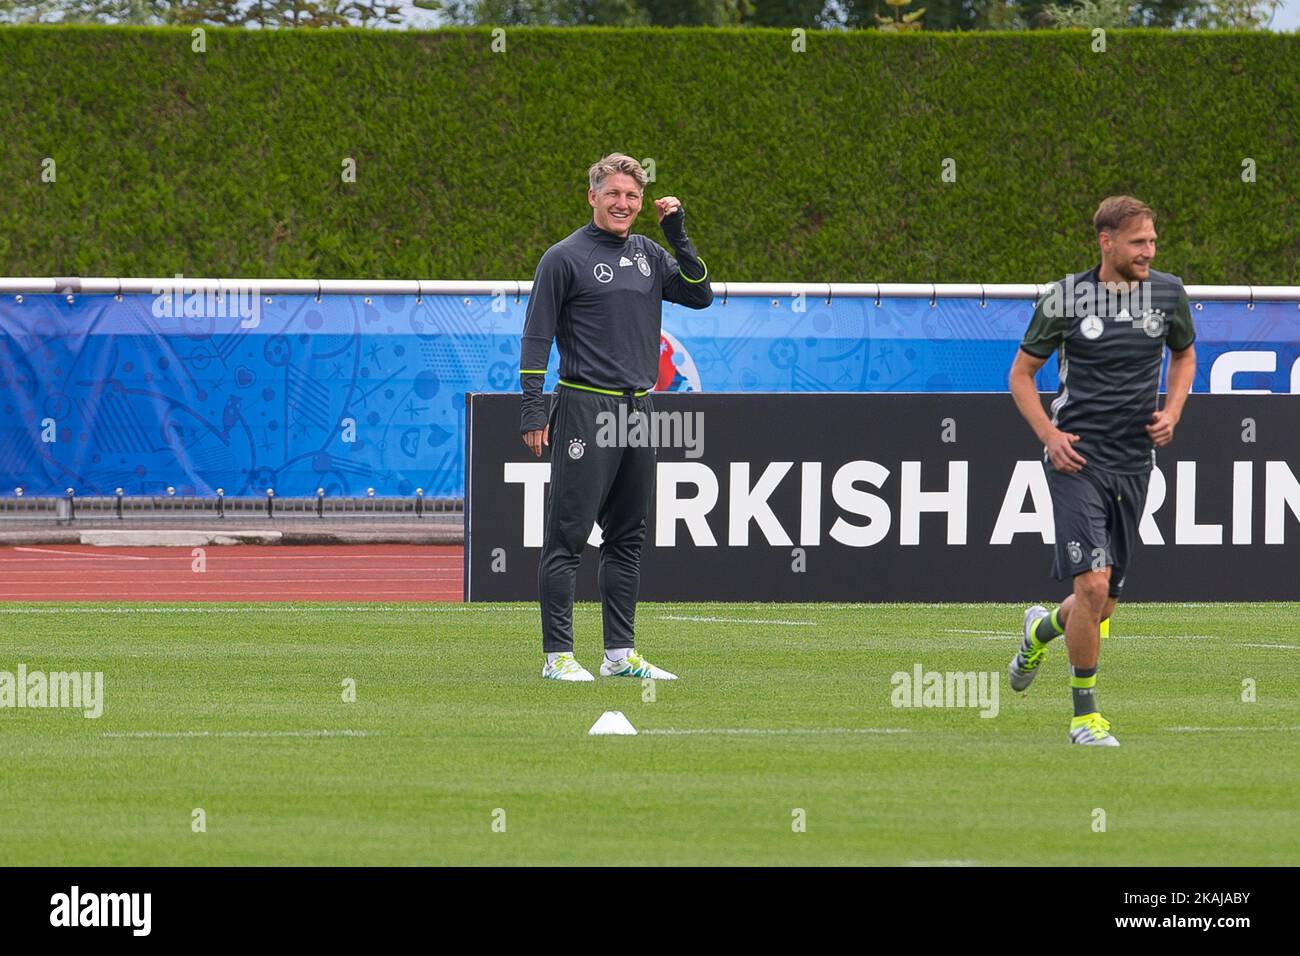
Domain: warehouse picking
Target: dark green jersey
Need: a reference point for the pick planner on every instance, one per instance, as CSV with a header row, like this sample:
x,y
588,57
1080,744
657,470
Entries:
x,y
1111,345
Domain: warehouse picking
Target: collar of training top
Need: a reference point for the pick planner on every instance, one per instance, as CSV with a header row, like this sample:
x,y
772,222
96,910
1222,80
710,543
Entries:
x,y
600,235
1093,275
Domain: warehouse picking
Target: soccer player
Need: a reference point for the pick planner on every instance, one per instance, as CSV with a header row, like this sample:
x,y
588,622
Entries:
x,y
599,295
1109,327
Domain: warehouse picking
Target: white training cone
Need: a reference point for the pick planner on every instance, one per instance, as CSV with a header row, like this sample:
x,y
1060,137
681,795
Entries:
x,y
612,722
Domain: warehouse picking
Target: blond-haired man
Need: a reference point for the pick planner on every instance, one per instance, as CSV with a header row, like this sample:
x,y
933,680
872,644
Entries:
x,y
598,294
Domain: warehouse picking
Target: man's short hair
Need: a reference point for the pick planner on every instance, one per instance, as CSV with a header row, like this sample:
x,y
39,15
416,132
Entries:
x,y
612,164
1114,211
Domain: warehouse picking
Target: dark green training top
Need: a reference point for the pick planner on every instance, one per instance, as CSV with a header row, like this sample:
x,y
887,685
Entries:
x,y
600,298
1110,351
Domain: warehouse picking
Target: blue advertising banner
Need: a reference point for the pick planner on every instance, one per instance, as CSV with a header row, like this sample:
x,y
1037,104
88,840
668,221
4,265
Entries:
x,y
350,392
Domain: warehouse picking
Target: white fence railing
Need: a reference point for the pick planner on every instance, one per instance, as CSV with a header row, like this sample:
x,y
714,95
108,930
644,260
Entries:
x,y
519,288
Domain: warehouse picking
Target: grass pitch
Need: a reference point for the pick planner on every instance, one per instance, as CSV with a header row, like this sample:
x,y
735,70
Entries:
x,y
239,711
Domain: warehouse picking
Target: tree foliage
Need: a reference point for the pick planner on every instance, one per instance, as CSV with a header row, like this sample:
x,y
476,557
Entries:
x,y
809,14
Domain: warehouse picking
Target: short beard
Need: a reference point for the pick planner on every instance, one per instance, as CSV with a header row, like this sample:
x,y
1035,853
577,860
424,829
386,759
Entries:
x,y
1128,272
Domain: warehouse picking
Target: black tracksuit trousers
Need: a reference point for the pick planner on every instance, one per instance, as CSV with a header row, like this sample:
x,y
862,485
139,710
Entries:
x,y
593,480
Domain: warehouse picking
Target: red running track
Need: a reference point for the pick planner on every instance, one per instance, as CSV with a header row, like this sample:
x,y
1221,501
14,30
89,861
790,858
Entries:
x,y
383,573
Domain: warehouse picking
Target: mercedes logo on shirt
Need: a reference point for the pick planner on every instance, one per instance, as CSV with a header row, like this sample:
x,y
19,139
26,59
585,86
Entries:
x,y
603,272
1091,327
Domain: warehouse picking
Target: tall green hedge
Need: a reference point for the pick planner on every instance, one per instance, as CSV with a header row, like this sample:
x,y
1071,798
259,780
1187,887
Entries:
x,y
805,166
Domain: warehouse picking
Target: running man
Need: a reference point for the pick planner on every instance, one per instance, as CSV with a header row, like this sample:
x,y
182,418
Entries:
x,y
1110,327
599,295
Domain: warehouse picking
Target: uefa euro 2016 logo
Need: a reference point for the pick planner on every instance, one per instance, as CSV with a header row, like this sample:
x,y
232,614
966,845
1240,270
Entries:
x,y
677,370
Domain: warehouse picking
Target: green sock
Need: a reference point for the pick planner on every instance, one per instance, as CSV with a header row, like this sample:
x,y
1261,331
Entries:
x,y
1083,686
1049,628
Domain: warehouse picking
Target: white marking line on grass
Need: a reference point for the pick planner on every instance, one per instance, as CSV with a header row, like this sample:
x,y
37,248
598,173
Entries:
x,y
774,731
1115,637
731,620
774,605
84,554
1162,637
168,734
1284,647
980,635
942,863
492,609
1194,730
